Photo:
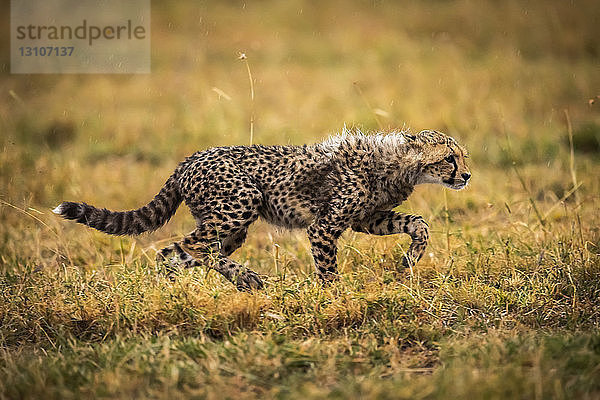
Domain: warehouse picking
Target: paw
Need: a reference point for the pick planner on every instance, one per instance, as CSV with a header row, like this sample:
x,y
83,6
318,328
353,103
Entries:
x,y
160,258
248,281
167,266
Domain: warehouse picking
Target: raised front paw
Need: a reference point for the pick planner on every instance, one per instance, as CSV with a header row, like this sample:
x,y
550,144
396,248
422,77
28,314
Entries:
x,y
248,281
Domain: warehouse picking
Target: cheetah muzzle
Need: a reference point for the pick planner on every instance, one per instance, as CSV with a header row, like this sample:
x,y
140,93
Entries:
x,y
352,180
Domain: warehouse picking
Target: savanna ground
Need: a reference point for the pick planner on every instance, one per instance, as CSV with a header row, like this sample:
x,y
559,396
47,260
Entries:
x,y
505,304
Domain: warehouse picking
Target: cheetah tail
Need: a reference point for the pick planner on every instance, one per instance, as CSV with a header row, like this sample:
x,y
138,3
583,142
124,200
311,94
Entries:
x,y
147,218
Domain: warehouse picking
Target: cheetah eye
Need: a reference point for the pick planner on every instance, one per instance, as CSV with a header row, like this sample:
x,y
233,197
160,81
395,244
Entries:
x,y
450,158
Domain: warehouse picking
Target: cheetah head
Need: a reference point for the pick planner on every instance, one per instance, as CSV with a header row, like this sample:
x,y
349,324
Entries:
x,y
442,160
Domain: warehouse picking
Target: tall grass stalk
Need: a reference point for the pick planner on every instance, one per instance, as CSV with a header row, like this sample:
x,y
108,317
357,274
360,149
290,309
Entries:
x,y
244,58
572,155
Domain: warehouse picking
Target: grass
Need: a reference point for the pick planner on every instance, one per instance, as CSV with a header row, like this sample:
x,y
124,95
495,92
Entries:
x,y
505,304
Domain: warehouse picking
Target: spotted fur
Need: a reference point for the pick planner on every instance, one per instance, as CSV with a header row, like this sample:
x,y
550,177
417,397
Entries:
x,y
352,181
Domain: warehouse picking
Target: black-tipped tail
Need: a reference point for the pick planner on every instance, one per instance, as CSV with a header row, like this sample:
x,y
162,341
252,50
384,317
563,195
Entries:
x,y
145,219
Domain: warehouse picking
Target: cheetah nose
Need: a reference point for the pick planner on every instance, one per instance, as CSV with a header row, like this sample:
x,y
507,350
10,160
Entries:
x,y
465,176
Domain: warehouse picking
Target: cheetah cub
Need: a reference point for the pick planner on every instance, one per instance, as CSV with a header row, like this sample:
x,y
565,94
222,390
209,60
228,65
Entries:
x,y
349,181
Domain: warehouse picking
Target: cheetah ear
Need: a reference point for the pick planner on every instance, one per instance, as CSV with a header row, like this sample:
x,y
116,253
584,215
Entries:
x,y
431,136
425,134
433,154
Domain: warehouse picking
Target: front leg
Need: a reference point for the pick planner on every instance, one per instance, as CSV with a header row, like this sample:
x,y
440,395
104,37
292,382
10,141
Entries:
x,y
323,241
390,222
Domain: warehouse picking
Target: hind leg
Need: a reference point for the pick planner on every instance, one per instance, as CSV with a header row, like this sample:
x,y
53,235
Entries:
x,y
225,201
175,258
221,230
211,246
233,242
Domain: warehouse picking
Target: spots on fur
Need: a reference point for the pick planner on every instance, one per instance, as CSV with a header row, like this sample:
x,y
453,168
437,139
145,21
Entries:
x,y
349,181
